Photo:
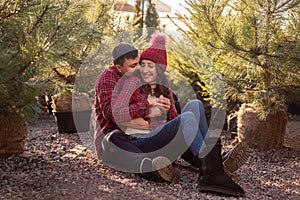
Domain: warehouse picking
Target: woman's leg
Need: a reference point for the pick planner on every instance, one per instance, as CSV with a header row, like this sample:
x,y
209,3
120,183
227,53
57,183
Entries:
x,y
196,107
173,138
212,177
159,138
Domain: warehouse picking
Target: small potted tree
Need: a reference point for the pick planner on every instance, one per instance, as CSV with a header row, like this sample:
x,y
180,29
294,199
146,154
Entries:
x,y
72,110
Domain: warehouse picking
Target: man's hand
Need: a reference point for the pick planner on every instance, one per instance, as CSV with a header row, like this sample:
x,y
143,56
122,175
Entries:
x,y
137,123
155,112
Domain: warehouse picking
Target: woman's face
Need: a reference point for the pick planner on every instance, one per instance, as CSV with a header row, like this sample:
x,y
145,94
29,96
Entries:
x,y
148,71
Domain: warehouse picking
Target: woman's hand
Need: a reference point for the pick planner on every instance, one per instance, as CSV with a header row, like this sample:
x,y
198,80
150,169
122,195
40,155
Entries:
x,y
158,105
163,103
152,100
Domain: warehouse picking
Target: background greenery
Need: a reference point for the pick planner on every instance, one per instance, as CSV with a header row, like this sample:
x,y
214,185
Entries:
x,y
43,43
254,45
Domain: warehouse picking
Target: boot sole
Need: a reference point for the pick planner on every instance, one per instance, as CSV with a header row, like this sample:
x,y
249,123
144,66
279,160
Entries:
x,y
236,158
220,190
165,169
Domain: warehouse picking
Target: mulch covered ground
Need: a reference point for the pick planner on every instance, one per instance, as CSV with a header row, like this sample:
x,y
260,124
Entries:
x,y
58,166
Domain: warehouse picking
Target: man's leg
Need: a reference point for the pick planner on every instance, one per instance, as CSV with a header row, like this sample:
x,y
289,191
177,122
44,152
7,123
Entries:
x,y
180,136
236,157
118,152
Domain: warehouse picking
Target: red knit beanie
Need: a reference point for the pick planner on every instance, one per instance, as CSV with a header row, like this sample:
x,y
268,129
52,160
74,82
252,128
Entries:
x,y
157,51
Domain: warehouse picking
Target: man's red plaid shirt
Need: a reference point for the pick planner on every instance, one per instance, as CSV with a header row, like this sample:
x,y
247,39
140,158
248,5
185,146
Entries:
x,y
128,102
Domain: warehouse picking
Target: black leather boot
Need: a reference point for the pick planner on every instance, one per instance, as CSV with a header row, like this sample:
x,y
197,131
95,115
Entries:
x,y
213,177
195,161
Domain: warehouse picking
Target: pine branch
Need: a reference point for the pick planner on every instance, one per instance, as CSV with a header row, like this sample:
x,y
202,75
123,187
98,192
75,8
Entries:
x,y
12,13
184,20
284,6
46,43
69,79
39,19
98,19
39,52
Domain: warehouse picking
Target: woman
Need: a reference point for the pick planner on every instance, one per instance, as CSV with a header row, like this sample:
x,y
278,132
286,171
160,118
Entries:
x,y
156,91
170,134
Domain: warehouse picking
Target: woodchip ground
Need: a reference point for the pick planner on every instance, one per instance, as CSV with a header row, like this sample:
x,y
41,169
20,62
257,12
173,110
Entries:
x,y
57,166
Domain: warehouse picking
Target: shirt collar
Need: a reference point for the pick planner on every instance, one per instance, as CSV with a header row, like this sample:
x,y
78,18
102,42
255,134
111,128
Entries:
x,y
114,68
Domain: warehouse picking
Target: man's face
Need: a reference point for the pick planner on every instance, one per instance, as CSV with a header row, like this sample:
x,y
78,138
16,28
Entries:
x,y
129,66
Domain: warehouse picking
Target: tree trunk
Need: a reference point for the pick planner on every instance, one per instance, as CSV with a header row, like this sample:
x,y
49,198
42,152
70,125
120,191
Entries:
x,y
13,136
260,134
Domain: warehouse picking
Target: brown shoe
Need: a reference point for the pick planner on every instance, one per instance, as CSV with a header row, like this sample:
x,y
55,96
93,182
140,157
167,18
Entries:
x,y
166,170
236,157
163,170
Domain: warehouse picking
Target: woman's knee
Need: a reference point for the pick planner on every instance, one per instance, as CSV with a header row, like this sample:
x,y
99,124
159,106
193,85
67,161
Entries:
x,y
189,119
196,102
188,115
194,105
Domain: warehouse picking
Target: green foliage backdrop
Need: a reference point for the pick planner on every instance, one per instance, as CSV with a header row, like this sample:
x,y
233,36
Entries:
x,y
44,42
254,44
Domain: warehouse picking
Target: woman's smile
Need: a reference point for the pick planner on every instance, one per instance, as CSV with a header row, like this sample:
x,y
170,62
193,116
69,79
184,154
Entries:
x,y
148,71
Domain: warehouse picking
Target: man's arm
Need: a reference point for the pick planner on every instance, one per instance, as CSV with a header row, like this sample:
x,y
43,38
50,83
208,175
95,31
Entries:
x,y
137,123
105,85
128,102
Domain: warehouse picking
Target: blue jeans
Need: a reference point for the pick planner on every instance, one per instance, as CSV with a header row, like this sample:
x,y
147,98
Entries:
x,y
172,139
188,130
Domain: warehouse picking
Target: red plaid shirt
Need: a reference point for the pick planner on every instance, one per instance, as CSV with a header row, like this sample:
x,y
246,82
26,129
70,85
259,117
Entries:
x,y
105,98
130,89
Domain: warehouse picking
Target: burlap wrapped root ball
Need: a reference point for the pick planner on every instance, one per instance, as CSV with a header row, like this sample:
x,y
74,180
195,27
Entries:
x,y
73,102
13,135
259,133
